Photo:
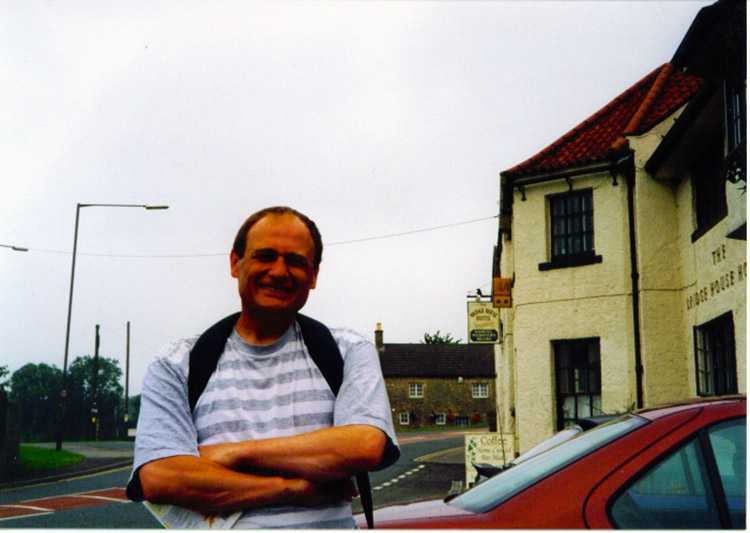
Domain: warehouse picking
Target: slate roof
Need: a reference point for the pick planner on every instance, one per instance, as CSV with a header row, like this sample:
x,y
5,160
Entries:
x,y
602,136
438,360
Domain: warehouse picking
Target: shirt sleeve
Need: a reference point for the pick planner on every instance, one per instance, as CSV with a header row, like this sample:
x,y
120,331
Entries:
x,y
362,398
165,423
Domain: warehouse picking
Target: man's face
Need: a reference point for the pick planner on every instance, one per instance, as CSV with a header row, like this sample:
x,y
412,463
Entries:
x,y
276,273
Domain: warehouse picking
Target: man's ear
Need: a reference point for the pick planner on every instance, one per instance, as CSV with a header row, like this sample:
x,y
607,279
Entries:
x,y
315,278
233,262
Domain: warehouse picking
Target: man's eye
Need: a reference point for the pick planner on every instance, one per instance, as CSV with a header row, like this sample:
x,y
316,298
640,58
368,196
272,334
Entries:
x,y
265,257
295,261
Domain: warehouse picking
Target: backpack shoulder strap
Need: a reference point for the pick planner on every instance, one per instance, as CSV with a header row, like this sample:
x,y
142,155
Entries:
x,y
324,351
205,356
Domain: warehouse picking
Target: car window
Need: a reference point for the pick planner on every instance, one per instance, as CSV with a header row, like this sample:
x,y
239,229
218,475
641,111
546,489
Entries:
x,y
491,493
675,494
729,444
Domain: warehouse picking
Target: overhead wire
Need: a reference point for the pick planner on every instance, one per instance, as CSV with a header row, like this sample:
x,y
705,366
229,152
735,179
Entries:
x,y
222,254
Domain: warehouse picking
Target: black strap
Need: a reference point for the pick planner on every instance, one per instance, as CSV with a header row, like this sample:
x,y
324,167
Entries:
x,y
322,348
205,356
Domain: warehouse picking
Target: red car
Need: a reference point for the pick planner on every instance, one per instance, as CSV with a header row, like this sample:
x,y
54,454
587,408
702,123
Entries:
x,y
680,466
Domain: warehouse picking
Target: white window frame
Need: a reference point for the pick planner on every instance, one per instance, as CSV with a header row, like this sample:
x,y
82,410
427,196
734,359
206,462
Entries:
x,y
480,390
403,419
416,390
439,419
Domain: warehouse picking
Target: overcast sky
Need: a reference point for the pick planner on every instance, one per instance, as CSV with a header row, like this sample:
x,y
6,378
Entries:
x,y
375,119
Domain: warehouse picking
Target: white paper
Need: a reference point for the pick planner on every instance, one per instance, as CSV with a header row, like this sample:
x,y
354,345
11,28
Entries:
x,y
173,517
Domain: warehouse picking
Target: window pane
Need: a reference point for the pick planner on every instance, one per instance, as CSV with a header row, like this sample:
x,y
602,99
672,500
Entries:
x,y
729,443
675,494
558,227
584,407
558,207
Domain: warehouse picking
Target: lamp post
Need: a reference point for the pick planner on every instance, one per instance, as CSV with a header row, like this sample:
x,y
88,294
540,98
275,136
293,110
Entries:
x,y
63,391
16,248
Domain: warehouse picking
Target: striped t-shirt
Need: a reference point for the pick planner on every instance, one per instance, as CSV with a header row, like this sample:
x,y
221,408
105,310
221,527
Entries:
x,y
260,392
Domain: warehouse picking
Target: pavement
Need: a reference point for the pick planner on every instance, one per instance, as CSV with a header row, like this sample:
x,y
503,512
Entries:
x,y
104,456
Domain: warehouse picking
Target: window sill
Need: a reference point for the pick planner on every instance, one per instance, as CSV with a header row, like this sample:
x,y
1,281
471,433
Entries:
x,y
575,261
700,232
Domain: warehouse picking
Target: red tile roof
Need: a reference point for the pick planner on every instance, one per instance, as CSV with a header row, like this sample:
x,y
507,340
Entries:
x,y
601,136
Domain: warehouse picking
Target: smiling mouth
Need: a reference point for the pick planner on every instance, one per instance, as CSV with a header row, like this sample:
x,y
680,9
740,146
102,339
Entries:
x,y
276,288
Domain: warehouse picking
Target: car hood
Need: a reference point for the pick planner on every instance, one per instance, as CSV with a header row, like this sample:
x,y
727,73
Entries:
x,y
419,512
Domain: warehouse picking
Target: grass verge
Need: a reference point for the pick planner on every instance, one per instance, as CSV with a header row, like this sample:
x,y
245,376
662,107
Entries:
x,y
34,459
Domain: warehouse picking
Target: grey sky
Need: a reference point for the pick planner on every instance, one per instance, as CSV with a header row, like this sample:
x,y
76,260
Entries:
x,y
372,118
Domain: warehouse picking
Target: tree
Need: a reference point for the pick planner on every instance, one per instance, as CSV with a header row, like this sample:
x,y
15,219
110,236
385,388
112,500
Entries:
x,y
3,372
36,389
79,418
439,339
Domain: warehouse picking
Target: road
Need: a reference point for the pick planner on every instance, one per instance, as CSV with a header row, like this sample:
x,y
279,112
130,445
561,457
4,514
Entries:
x,y
98,501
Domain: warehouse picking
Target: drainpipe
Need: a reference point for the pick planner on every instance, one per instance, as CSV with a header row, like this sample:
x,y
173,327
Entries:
x,y
629,170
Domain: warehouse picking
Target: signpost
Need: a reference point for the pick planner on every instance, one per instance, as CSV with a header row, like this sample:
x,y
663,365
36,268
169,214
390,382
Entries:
x,y
484,323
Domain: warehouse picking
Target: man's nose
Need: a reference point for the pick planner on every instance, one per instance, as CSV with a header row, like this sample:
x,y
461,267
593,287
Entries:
x,y
279,268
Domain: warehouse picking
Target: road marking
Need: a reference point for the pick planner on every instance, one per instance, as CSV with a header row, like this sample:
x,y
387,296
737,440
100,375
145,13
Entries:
x,y
399,478
63,503
438,454
43,509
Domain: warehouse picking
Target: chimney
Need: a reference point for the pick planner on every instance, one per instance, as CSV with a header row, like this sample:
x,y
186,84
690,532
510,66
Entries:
x,y
379,340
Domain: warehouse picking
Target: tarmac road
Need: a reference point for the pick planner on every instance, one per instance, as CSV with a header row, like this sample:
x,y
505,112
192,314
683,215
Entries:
x,y
81,496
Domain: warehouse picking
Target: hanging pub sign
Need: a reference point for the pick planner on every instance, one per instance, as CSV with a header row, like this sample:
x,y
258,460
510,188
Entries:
x,y
484,323
501,292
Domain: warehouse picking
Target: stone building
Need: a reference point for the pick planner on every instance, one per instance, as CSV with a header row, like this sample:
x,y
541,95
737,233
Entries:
x,y
625,244
433,385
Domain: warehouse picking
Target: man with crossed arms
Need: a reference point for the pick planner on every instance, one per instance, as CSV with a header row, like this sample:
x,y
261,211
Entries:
x,y
267,436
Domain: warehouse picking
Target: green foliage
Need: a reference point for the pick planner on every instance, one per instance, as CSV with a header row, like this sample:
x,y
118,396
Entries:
x,y
36,389
439,339
3,372
80,400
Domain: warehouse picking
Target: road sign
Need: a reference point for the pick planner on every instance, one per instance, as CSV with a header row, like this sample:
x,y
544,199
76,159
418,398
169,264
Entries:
x,y
501,295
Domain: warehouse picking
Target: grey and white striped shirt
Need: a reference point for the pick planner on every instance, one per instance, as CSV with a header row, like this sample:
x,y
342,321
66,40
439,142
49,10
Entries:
x,y
260,392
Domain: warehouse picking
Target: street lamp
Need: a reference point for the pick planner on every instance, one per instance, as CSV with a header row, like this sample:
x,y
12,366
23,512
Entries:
x,y
63,391
16,248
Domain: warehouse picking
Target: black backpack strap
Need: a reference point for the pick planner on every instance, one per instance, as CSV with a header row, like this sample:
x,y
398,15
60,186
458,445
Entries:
x,y
205,356
325,353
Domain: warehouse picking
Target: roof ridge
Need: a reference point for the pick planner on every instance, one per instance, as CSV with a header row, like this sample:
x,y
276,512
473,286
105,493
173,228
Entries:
x,y
583,126
653,95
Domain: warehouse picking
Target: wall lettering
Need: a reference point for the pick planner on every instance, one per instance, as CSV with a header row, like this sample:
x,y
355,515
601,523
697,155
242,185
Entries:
x,y
721,284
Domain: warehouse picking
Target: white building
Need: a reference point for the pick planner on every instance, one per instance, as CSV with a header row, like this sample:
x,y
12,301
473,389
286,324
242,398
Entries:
x,y
625,244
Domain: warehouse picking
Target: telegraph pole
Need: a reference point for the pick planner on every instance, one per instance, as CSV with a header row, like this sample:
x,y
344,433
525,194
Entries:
x,y
127,376
95,407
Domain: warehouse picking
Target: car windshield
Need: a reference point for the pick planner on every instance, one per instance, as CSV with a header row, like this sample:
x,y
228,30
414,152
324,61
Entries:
x,y
491,493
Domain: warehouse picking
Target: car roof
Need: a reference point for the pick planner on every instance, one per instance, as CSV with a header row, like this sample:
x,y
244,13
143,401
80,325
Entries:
x,y
656,412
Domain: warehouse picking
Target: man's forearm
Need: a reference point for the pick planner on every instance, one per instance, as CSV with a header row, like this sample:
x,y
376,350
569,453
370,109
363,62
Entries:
x,y
325,454
205,486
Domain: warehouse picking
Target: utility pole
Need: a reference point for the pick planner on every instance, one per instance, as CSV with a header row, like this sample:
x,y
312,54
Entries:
x,y
95,407
127,377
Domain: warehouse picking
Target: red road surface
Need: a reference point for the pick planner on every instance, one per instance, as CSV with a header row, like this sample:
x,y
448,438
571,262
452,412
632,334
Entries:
x,y
62,503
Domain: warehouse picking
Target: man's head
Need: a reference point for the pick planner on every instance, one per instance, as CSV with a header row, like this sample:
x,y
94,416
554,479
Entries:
x,y
275,259
240,240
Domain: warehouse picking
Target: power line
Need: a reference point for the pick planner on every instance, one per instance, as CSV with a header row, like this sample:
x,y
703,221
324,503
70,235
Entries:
x,y
222,254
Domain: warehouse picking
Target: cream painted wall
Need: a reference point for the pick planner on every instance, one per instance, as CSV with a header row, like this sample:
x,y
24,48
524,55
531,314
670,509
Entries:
x,y
569,303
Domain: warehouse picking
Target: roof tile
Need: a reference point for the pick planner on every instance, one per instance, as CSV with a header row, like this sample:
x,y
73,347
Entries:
x,y
634,112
